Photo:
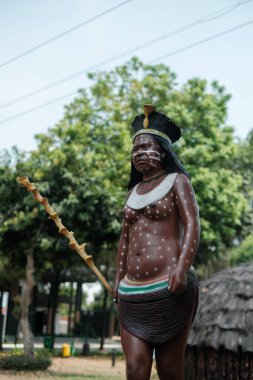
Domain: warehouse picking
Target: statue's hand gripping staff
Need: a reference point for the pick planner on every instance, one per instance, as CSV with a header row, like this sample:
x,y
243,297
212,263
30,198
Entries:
x,y
80,249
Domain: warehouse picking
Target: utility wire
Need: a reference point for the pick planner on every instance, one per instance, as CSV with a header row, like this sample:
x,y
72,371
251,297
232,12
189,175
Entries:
x,y
162,57
38,107
211,17
202,41
60,35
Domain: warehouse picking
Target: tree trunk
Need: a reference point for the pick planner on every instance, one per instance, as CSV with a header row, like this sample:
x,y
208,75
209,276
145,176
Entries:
x,y
25,301
70,308
103,320
53,304
78,303
104,312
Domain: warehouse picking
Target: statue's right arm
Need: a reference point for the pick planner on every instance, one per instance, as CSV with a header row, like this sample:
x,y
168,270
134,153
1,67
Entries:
x,y
121,256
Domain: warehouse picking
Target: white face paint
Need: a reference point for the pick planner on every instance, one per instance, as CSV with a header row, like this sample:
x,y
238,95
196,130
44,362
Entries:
x,y
147,154
150,153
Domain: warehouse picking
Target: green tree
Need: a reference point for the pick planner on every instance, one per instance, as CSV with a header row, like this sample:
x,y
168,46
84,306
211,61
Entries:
x,y
82,165
244,164
93,143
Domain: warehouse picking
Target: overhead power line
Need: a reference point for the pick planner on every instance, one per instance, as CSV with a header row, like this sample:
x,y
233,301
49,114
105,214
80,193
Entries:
x,y
201,41
210,17
38,107
162,57
60,35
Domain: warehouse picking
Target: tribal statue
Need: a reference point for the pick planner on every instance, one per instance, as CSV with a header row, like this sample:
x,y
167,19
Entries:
x,y
156,288
80,249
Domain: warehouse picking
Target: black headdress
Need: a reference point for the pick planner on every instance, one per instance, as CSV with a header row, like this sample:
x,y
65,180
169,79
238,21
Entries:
x,y
156,123
165,131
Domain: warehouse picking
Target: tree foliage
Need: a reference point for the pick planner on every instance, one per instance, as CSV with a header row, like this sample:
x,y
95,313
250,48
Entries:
x,y
82,165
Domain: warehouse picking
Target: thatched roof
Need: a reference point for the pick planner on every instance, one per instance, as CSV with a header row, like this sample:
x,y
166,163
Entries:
x,y
225,312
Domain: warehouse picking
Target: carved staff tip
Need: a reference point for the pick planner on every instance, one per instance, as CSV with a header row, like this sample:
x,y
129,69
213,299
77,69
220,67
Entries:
x,y
80,249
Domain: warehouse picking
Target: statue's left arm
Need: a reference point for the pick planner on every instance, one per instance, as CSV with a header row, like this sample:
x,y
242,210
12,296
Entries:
x,y
189,215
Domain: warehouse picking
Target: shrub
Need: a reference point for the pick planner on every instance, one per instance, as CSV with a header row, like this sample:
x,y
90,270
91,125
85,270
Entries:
x,y
24,363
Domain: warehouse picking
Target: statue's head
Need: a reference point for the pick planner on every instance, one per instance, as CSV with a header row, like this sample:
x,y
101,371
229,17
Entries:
x,y
154,135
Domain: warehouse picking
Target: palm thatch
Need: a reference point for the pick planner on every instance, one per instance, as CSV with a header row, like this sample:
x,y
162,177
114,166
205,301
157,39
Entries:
x,y
225,312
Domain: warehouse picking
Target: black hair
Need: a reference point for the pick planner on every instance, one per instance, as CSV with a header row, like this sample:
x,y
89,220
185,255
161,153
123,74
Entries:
x,y
172,164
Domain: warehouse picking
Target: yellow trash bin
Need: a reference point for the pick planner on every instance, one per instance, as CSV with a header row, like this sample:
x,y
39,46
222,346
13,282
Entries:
x,y
65,350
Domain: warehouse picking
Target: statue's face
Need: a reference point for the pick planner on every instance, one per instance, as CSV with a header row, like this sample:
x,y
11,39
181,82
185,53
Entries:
x,y
147,154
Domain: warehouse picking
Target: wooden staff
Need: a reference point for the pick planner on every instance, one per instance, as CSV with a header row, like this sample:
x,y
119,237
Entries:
x,y
80,249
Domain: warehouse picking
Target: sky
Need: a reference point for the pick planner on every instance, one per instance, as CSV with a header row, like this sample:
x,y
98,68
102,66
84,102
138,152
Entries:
x,y
25,24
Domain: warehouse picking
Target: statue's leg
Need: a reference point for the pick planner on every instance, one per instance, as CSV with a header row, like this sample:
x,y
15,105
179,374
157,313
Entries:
x,y
138,354
170,356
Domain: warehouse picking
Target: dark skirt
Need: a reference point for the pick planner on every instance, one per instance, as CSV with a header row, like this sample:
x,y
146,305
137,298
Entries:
x,y
152,312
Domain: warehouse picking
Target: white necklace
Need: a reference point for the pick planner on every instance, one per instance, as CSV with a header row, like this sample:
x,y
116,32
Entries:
x,y
138,201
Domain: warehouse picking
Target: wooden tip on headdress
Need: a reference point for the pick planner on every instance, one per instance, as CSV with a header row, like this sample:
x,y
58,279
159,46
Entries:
x,y
148,109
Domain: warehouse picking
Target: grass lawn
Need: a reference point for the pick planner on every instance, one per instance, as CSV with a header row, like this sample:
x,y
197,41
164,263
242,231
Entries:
x,y
76,368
